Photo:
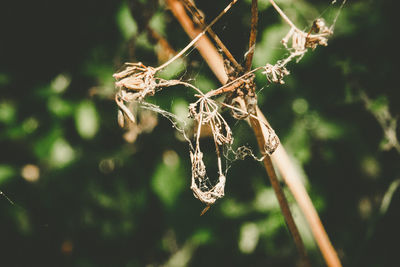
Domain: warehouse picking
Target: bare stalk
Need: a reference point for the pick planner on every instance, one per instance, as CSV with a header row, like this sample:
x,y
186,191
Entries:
x,y
283,15
293,181
253,34
262,135
232,85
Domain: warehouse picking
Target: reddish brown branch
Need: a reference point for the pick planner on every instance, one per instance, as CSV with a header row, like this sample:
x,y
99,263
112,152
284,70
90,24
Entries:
x,y
292,178
253,34
167,50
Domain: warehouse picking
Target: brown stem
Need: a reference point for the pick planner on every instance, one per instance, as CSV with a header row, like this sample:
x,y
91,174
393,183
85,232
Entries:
x,y
293,181
262,135
232,85
166,48
253,34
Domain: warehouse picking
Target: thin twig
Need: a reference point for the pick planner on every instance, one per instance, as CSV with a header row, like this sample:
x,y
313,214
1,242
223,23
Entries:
x,y
195,12
283,15
6,197
232,85
385,120
204,45
197,37
253,34
262,135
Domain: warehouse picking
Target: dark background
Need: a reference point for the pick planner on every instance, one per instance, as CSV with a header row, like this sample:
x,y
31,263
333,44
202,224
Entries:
x,y
84,196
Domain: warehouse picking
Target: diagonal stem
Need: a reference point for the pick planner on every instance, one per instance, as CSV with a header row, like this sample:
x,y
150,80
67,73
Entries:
x,y
262,134
283,15
253,34
197,37
293,181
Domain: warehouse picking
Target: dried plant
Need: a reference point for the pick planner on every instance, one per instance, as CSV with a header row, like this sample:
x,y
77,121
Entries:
x,y
137,82
206,112
275,73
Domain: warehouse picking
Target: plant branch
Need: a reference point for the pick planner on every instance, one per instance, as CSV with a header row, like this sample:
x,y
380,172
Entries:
x,y
283,15
253,34
385,120
232,85
262,134
293,181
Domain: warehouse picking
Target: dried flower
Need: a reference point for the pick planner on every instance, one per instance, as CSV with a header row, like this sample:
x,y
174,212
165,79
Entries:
x,y
207,196
137,81
205,111
272,142
275,73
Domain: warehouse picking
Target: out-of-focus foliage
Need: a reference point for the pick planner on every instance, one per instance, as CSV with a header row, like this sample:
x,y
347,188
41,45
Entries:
x,y
85,196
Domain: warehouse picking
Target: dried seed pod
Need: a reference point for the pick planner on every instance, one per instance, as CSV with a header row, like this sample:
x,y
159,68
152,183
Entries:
x,y
205,210
275,73
272,143
123,109
138,80
121,119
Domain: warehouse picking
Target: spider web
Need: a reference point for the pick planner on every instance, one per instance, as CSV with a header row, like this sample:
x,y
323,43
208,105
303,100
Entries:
x,y
230,153
6,197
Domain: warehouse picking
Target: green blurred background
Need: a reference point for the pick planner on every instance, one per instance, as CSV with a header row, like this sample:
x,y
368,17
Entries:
x,y
87,193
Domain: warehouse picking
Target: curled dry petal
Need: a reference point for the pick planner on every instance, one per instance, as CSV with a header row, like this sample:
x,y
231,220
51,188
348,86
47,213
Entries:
x,y
136,80
275,73
272,142
121,119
